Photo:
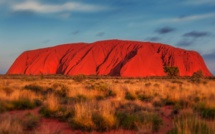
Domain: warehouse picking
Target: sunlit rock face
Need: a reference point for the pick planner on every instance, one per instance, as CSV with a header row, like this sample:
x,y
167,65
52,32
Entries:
x,y
110,57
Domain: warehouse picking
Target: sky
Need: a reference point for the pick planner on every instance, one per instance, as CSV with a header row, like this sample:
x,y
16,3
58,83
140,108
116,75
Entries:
x,y
32,24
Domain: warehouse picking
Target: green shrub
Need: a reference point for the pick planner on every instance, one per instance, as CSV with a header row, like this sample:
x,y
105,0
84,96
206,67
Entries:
x,y
197,76
82,125
45,112
190,124
37,102
131,120
60,90
156,122
205,111
34,88
103,124
23,103
129,96
110,93
169,101
5,106
63,114
128,121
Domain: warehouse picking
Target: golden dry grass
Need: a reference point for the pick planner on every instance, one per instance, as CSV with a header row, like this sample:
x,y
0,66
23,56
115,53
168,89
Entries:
x,y
52,103
150,95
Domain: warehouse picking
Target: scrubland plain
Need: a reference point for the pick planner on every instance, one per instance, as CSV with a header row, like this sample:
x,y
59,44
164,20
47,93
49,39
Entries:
x,y
60,104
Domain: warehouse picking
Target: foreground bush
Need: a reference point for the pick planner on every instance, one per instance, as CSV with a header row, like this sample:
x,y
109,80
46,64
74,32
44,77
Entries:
x,y
60,90
20,104
34,87
24,103
51,106
103,122
132,121
83,117
190,124
93,115
205,111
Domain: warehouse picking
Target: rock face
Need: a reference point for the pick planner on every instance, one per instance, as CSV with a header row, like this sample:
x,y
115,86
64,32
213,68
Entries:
x,y
111,57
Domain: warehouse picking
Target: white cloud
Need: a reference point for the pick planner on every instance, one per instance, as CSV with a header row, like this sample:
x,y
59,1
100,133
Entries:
x,y
35,6
188,18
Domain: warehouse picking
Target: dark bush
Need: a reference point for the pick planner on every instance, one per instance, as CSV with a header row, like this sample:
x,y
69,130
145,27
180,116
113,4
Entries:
x,y
128,121
144,97
110,93
205,111
169,101
171,71
34,88
60,90
46,112
101,123
23,103
197,76
156,122
129,96
63,114
82,126
79,78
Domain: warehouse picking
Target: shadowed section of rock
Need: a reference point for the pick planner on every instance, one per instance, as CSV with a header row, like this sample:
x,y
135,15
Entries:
x,y
111,57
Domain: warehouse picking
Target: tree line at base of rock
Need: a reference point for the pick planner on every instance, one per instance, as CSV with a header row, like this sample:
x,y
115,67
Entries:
x,y
173,71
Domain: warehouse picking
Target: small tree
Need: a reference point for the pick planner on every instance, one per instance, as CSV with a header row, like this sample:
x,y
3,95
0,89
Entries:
x,y
198,74
171,71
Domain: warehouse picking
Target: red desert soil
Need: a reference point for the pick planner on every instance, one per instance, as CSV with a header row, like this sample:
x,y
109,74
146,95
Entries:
x,y
48,125
111,57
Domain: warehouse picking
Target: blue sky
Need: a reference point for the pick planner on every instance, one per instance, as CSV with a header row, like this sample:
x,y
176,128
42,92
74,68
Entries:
x,y
31,24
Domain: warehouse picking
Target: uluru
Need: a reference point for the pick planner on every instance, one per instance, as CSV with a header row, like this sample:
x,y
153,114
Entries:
x,y
109,57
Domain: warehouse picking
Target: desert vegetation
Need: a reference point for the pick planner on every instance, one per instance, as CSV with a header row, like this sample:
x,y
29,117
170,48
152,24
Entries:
x,y
107,104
